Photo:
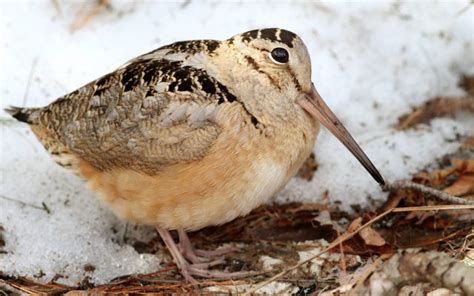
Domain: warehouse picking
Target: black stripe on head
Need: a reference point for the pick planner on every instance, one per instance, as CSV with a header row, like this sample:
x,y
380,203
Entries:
x,y
269,34
272,34
287,37
250,35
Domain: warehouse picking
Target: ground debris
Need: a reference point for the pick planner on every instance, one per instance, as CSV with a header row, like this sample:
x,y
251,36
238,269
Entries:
x,y
454,177
85,16
436,268
467,83
308,168
23,285
2,240
367,242
437,107
433,230
292,222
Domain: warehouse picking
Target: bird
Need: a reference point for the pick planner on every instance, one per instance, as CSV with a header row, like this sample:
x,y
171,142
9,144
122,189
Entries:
x,y
193,134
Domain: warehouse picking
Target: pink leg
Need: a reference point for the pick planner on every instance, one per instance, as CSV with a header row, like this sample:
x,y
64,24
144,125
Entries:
x,y
197,269
175,253
216,253
196,255
187,249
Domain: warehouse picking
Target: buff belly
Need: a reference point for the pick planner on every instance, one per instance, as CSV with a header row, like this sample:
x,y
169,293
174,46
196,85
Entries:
x,y
191,196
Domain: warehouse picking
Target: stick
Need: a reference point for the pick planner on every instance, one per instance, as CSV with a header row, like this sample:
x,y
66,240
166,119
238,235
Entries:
x,y
433,208
427,190
44,207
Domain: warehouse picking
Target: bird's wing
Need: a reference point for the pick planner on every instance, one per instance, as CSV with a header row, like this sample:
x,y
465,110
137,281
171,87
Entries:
x,y
150,113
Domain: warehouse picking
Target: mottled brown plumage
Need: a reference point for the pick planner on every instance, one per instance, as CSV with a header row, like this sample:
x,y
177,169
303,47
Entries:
x,y
194,133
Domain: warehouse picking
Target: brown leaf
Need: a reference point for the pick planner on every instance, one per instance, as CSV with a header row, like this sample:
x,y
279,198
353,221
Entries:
x,y
467,83
355,224
366,242
371,237
468,143
464,165
437,107
463,185
308,168
434,179
357,246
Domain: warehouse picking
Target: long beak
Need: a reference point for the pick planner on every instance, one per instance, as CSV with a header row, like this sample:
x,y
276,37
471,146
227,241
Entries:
x,y
314,105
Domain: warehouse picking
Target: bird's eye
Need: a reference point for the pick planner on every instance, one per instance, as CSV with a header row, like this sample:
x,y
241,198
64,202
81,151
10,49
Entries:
x,y
280,55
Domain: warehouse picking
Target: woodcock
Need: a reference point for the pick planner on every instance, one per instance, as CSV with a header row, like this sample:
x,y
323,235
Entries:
x,y
193,134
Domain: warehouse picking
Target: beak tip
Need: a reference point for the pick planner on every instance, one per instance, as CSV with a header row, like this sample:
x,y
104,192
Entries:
x,y
381,181
314,105
378,177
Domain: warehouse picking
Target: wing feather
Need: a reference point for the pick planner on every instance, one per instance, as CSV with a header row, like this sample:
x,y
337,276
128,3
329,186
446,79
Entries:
x,y
150,113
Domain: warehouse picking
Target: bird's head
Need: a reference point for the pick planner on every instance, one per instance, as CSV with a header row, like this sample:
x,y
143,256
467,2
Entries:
x,y
270,69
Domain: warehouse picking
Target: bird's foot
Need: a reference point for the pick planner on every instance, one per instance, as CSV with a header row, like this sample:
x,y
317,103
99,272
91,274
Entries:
x,y
216,253
199,266
197,255
195,270
189,270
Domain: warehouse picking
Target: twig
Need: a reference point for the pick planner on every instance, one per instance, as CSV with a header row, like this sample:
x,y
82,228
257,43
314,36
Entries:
x,y
340,239
88,15
43,207
343,258
466,8
367,273
427,190
57,6
433,208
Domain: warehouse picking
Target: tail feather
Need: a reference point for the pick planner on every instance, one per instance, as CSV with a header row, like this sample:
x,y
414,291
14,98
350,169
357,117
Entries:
x,y
48,138
22,114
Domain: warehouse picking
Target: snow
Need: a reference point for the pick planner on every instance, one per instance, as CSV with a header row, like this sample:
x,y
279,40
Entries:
x,y
315,265
269,262
372,62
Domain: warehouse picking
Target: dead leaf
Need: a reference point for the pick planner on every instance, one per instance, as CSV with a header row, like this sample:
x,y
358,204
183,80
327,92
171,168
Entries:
x,y
467,83
366,242
463,185
355,224
468,143
464,165
88,14
437,107
371,237
308,168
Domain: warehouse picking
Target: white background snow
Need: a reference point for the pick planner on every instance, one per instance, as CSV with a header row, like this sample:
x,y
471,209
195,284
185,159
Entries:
x,y
372,62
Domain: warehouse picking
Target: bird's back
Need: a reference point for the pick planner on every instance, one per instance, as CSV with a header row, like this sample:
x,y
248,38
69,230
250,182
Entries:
x,y
151,112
